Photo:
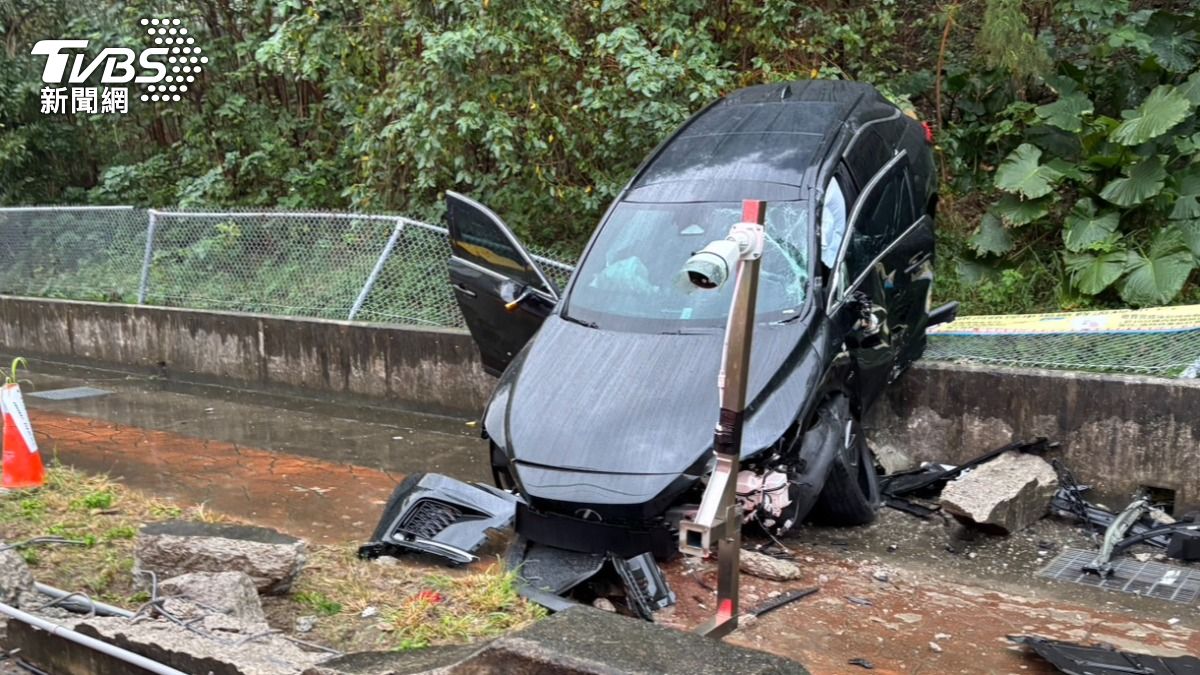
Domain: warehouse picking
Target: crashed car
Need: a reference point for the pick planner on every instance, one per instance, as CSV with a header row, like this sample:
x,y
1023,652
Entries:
x,y
603,414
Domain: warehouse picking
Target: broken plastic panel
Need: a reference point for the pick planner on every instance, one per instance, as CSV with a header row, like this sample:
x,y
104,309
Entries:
x,y
645,587
436,514
1074,659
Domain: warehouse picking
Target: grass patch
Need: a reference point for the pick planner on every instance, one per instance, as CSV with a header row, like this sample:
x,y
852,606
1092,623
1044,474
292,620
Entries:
x,y
414,605
317,601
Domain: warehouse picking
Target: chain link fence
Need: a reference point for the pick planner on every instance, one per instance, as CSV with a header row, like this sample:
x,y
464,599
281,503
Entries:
x,y
379,268
1161,341
392,269
81,253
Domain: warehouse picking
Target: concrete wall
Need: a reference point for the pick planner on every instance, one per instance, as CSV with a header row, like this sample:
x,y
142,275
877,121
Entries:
x,y
1118,432
430,370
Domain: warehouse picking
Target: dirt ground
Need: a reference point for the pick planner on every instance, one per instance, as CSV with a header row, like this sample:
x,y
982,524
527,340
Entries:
x,y
939,610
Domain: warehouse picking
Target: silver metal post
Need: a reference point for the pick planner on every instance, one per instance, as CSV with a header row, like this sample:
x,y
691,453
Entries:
x,y
719,514
383,256
148,257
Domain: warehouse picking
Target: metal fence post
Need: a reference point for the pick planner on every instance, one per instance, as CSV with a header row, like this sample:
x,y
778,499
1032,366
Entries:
x,y
383,256
145,282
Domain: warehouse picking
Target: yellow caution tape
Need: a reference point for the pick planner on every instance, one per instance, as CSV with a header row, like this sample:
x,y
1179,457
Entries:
x,y
1153,320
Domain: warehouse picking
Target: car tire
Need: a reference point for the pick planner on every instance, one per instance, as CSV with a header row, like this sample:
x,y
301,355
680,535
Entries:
x,y
851,492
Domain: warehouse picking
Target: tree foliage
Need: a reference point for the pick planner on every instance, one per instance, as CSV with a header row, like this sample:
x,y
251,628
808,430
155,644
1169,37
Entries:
x,y
1067,137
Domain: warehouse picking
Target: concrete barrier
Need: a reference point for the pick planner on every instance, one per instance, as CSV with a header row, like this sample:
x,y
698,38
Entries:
x,y
426,369
1118,432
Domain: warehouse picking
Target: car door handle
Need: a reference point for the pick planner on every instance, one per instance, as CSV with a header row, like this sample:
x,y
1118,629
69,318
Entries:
x,y
917,260
462,288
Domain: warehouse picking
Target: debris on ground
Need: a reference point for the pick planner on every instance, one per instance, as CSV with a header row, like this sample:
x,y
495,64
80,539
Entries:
x,y
271,559
767,567
442,516
782,600
16,581
230,593
1076,659
862,663
1006,494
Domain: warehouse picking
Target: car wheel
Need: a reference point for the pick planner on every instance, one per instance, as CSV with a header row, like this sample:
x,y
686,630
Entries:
x,y
851,492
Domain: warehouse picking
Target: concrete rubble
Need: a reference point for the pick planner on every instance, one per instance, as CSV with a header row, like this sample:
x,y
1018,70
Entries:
x,y
272,560
230,593
764,566
578,641
215,644
16,581
1008,493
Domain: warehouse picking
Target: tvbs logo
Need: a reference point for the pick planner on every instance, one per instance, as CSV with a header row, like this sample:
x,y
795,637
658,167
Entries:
x,y
164,71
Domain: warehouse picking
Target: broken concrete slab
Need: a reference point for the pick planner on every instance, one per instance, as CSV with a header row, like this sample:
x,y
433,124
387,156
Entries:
x,y
216,645
16,581
1008,493
271,559
764,566
231,593
578,641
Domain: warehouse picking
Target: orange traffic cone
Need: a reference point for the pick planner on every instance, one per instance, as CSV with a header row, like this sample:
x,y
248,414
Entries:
x,y
22,462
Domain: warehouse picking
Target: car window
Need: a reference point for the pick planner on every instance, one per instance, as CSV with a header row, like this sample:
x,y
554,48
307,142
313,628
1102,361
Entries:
x,y
833,222
876,226
632,271
483,242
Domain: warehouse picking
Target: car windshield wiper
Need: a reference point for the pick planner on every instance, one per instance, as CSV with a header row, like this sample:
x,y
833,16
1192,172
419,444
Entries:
x,y
581,322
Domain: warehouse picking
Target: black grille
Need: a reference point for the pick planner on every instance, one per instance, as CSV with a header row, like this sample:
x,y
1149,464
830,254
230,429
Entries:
x,y
427,518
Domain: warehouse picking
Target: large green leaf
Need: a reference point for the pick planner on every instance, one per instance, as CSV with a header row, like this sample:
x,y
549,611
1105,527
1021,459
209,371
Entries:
x,y
1156,277
1015,211
1085,226
1173,41
1191,88
1189,233
1067,112
1092,273
1141,182
991,238
1020,173
1163,109
1187,205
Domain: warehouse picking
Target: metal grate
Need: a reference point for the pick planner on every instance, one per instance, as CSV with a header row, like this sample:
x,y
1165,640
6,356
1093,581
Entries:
x,y
1148,579
69,393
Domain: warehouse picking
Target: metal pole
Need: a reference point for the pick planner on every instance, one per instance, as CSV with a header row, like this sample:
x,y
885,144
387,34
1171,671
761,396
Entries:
x,y
383,256
719,510
149,255
89,642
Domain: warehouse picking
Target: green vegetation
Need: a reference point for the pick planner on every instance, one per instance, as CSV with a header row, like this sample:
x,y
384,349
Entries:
x,y
412,607
1067,133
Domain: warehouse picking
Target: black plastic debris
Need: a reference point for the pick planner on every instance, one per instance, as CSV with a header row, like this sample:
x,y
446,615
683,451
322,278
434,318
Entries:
x,y
783,600
547,574
1074,659
436,514
1185,543
646,589
862,663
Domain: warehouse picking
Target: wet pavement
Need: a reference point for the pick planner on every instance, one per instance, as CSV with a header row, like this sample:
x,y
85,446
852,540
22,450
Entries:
x,y
311,468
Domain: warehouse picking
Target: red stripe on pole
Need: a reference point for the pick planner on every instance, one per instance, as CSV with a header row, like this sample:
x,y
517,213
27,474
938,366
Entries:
x,y
754,211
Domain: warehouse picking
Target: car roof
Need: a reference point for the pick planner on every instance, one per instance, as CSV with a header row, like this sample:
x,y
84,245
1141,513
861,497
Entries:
x,y
757,142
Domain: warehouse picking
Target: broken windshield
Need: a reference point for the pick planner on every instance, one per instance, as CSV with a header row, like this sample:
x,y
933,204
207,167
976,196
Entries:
x,y
631,274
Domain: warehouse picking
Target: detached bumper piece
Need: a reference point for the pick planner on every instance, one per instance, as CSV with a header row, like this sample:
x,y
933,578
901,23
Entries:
x,y
435,514
1074,659
547,574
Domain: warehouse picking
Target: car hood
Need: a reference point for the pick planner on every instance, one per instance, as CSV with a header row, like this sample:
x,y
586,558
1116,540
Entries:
x,y
585,399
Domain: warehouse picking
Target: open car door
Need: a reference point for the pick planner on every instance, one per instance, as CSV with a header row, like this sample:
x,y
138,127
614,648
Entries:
x,y
503,294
